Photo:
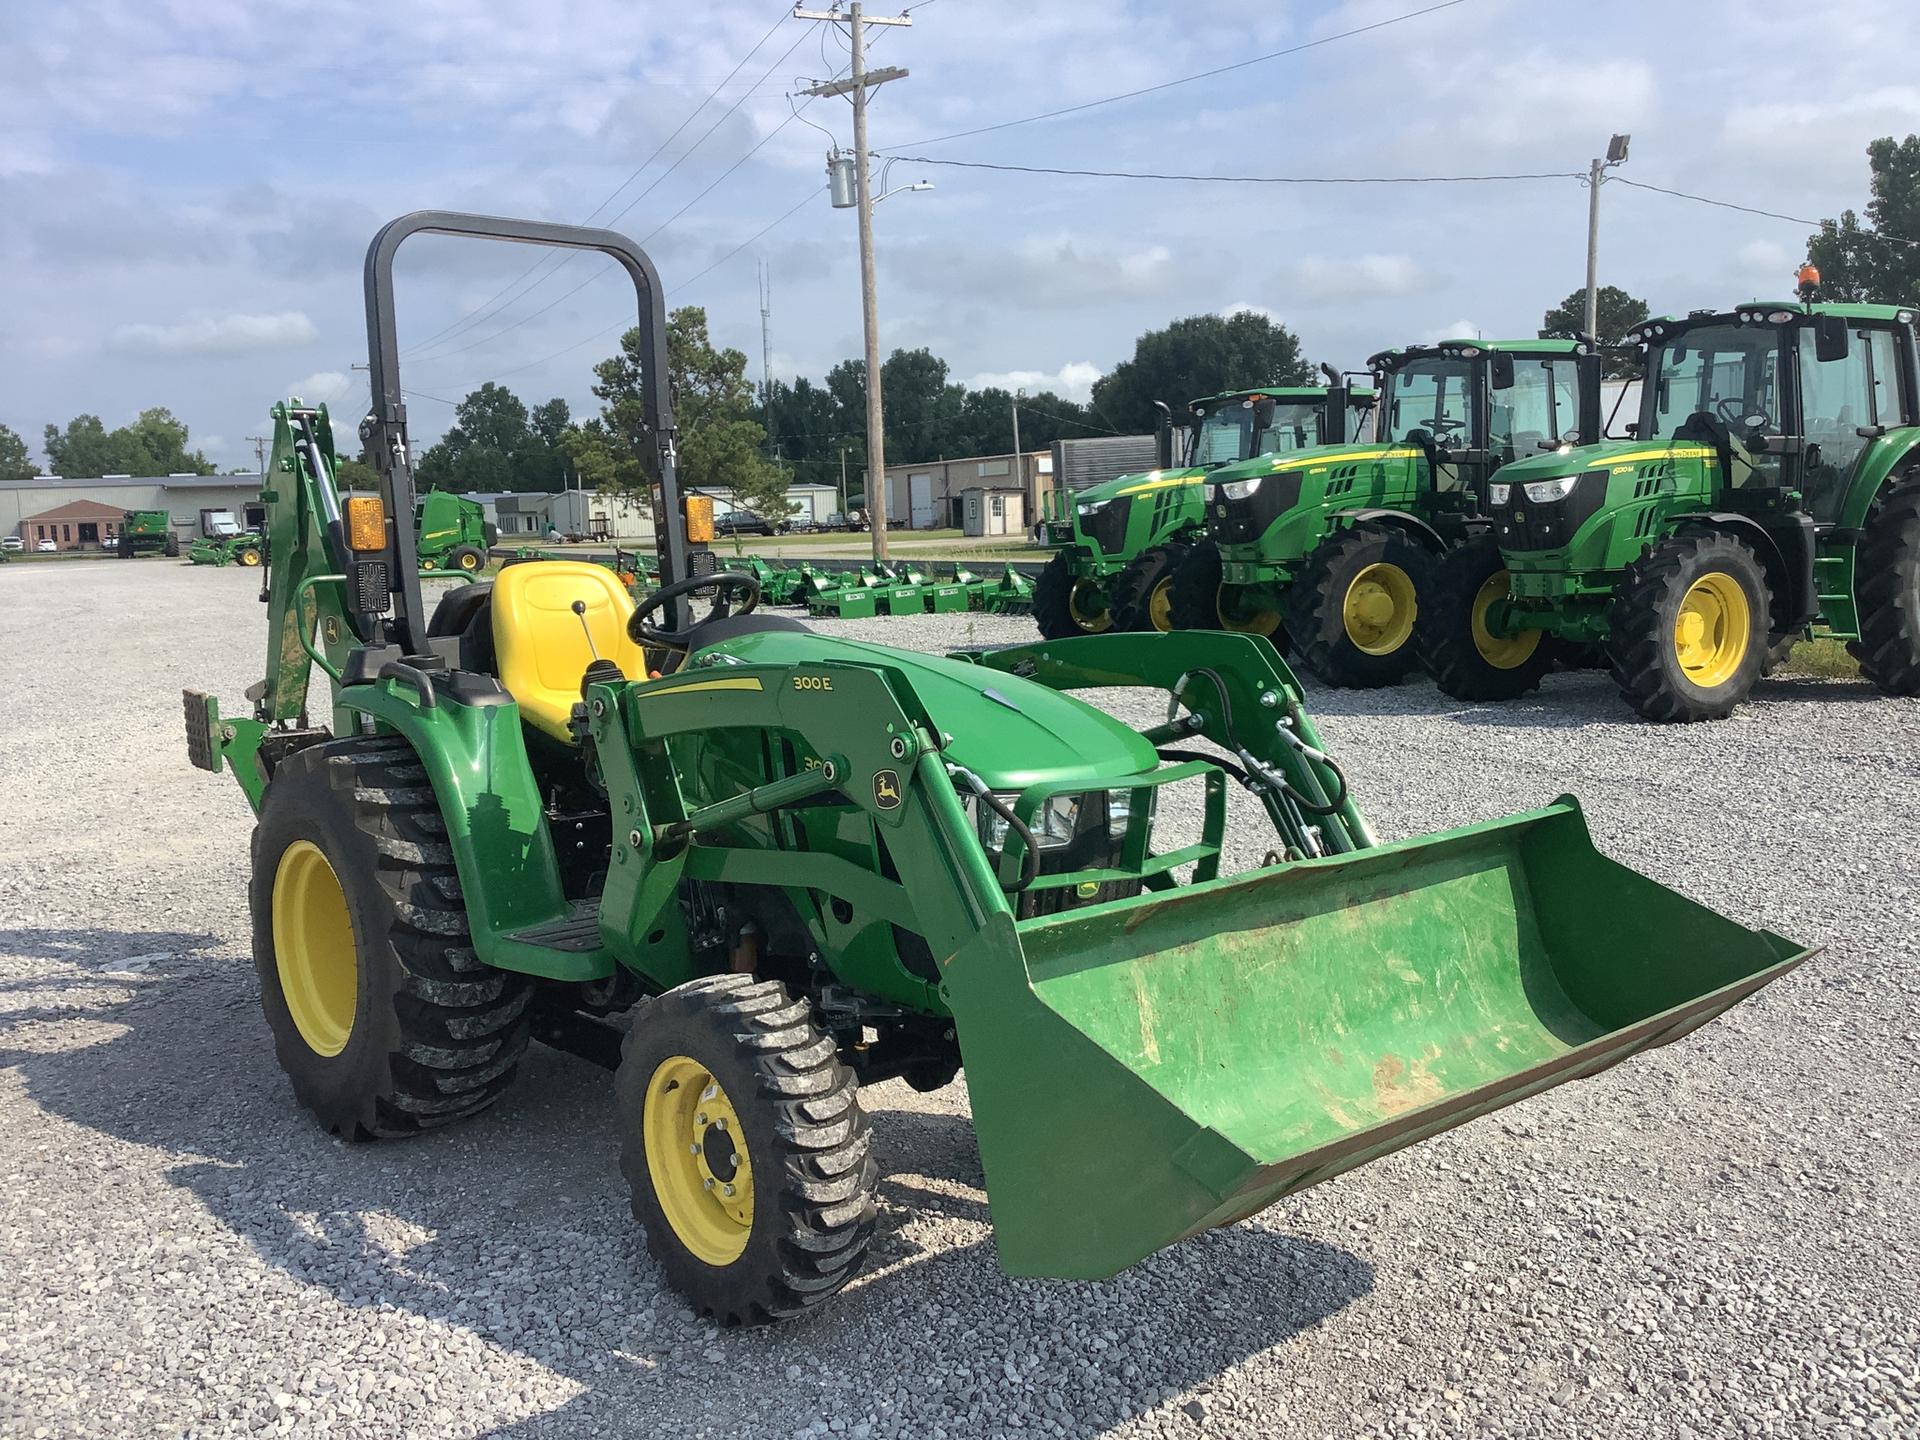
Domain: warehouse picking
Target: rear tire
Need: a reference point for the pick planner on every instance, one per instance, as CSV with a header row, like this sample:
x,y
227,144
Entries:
x,y
1063,604
1465,659
1143,595
1690,626
1888,586
1353,608
250,557
383,1017
469,559
170,547
727,1080
1200,604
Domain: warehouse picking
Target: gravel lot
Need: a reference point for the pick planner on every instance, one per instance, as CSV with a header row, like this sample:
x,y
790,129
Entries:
x,y
1719,1239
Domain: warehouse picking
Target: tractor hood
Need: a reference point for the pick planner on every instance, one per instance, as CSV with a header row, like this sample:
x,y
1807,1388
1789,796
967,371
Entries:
x,y
1011,732
1143,483
1601,458
1263,465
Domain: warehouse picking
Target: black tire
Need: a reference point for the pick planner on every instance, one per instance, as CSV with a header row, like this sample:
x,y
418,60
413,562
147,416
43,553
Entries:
x,y
1054,598
808,1146
1887,582
1645,657
170,547
1779,649
1197,600
126,550
1317,606
1466,660
435,1034
1143,595
469,559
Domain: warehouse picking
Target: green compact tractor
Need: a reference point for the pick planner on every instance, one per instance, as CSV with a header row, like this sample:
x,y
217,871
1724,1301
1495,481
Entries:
x,y
1771,490
1334,548
147,532
454,533
754,869
224,541
1115,568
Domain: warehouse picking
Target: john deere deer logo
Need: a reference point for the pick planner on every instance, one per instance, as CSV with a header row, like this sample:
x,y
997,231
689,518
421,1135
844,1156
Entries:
x,y
886,789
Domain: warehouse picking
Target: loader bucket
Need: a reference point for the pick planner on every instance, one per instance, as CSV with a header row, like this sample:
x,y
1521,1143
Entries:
x,y
1146,1069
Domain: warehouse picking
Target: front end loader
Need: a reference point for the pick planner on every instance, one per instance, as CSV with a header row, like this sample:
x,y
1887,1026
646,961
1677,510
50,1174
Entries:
x,y
1125,538
752,868
1771,491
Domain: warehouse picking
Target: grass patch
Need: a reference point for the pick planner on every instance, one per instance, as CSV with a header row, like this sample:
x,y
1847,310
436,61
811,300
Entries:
x,y
1825,658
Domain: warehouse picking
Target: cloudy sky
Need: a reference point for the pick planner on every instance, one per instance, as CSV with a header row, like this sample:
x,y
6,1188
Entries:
x,y
187,187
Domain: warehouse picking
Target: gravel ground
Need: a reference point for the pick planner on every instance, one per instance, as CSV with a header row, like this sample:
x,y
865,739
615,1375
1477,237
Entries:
x,y
1718,1239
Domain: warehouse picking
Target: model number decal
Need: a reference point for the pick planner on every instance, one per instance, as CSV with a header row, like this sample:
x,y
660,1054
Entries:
x,y
812,682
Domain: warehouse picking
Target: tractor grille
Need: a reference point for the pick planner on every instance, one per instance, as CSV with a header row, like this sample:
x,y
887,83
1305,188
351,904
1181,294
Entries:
x,y
1107,526
1240,522
1524,524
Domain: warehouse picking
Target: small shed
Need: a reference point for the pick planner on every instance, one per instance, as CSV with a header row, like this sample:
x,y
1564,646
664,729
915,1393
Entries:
x,y
78,525
993,510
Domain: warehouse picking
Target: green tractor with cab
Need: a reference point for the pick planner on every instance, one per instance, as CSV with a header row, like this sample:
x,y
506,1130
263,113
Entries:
x,y
753,869
1125,538
1770,491
1332,550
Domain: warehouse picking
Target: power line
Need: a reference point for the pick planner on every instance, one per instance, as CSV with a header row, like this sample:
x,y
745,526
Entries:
x,y
1066,419
1826,225
1189,79
1236,179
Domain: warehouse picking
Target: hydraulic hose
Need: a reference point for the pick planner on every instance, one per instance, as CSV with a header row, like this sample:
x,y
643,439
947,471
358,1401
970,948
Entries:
x,y
1323,807
1030,856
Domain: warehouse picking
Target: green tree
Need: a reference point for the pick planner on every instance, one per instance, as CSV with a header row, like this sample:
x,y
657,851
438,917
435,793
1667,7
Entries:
x,y
495,444
355,475
1880,260
155,444
1200,355
1615,313
15,462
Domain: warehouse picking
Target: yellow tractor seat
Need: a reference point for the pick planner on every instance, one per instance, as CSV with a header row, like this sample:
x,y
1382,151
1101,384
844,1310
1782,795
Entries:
x,y
541,646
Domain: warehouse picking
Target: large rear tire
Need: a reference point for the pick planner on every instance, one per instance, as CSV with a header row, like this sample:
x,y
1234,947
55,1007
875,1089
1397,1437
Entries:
x,y
1690,627
1353,607
1201,602
1466,659
1143,595
170,547
1887,582
1066,605
745,1148
469,559
383,1017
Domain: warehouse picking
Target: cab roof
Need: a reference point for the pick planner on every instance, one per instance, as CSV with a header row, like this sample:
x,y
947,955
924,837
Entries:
x,y
1278,392
1775,312
1467,349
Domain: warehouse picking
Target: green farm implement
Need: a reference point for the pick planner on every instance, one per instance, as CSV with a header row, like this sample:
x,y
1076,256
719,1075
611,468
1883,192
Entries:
x,y
454,533
752,868
223,540
1333,549
1771,490
1123,540
147,532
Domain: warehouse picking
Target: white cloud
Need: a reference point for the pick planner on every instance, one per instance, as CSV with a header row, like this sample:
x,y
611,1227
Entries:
x,y
211,334
1314,278
1072,381
332,388
1458,330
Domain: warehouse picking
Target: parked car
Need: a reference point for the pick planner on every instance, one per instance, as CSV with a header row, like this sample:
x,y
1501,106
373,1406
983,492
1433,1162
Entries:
x,y
741,522
46,547
12,542
112,542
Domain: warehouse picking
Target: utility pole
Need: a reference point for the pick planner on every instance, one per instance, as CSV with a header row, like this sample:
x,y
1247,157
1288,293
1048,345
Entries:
x,y
766,351
1596,176
260,443
1019,460
856,85
843,480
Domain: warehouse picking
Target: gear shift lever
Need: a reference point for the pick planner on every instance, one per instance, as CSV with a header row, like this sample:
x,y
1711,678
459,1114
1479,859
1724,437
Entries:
x,y
599,671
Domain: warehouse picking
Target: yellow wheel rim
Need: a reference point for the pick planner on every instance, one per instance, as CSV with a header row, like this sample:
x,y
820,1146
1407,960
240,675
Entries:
x,y
1087,607
1503,652
313,948
1255,622
249,557
1160,606
1378,609
1713,630
469,561
697,1160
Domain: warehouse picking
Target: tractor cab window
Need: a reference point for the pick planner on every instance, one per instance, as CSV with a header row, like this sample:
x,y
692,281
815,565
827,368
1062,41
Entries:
x,y
1226,433
1295,427
1434,396
1718,381
1539,410
1837,397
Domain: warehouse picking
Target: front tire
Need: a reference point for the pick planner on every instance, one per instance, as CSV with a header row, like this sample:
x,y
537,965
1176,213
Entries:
x,y
1066,605
384,1019
1143,595
250,557
1466,659
1201,602
1690,628
745,1148
1888,585
1353,607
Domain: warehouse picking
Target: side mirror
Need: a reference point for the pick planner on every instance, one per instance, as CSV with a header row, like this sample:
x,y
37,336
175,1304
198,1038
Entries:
x,y
1263,408
1500,370
1632,427
1830,338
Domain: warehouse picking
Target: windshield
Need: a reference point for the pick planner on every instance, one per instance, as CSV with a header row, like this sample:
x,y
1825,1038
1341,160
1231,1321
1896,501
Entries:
x,y
1728,372
1226,434
1429,395
222,524
1539,410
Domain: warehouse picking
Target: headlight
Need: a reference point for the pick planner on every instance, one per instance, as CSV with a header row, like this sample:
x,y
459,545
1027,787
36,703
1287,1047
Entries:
x,y
1086,510
1056,823
1499,494
1213,493
1241,489
1541,491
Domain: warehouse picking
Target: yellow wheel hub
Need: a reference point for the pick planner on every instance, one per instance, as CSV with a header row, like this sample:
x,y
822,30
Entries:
x,y
1088,607
1160,606
1227,607
249,557
1379,609
1503,652
697,1160
469,562
1713,630
313,948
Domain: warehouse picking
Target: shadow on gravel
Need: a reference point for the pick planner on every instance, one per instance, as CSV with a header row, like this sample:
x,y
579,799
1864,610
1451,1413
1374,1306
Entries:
x,y
515,1227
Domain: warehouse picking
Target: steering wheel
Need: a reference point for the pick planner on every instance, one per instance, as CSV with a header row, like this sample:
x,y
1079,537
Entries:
x,y
723,583
1446,426
1728,409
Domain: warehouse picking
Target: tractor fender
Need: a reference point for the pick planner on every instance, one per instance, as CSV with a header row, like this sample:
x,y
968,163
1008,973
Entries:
x,y
1399,520
1896,456
1789,566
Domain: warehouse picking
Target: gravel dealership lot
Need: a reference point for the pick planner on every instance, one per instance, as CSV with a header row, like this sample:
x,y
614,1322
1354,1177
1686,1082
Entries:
x,y
1717,1239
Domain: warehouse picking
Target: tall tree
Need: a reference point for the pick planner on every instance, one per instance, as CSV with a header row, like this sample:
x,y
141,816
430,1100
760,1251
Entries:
x,y
1878,261
493,444
1200,355
1615,312
154,444
15,462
